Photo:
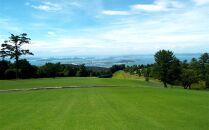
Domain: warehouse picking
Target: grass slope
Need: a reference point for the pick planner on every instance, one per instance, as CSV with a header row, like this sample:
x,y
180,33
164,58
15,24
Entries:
x,y
136,104
123,75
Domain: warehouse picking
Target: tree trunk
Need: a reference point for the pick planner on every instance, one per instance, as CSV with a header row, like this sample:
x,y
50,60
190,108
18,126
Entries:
x,y
17,61
165,85
189,86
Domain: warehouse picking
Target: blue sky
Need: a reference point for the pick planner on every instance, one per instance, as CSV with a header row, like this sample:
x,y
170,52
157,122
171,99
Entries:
x,y
107,27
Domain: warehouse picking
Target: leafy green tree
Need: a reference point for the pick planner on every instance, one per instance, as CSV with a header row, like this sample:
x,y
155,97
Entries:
x,y
195,65
70,70
188,78
174,72
26,69
82,72
115,68
164,60
147,72
204,58
204,61
12,48
51,70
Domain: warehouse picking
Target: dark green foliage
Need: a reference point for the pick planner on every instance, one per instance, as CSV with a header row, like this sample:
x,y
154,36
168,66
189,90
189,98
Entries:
x,y
174,72
4,65
99,72
147,72
188,77
207,81
12,48
204,61
115,68
26,69
195,65
204,58
70,70
164,60
10,73
82,72
51,70
135,69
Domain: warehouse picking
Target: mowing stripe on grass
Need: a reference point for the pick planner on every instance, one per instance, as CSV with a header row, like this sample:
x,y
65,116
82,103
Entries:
x,y
49,88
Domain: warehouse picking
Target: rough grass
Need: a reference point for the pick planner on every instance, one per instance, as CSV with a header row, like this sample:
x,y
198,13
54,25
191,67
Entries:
x,y
135,104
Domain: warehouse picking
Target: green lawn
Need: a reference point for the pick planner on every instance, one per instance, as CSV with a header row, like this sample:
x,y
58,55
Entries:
x,y
135,104
74,81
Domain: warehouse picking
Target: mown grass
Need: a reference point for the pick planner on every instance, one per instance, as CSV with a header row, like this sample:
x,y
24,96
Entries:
x,y
105,108
73,81
134,104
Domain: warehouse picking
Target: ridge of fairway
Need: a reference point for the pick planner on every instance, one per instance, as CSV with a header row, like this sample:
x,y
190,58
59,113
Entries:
x,y
49,88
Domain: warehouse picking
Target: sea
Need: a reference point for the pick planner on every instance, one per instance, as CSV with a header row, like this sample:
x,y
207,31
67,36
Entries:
x,y
104,61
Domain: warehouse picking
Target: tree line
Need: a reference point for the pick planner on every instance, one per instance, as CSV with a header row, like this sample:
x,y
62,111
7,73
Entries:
x,y
170,70
167,68
51,70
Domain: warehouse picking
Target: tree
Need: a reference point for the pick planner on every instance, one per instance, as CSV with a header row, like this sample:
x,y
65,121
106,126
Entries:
x,y
70,70
204,61
82,72
50,70
26,69
2,53
164,60
174,72
12,48
204,58
188,77
147,72
115,68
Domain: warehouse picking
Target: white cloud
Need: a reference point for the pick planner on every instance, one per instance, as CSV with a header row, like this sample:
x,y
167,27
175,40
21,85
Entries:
x,y
48,6
201,2
184,30
158,5
149,7
51,34
115,12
